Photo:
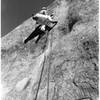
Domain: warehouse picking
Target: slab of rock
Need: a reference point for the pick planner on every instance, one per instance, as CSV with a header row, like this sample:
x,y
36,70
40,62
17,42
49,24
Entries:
x,y
70,55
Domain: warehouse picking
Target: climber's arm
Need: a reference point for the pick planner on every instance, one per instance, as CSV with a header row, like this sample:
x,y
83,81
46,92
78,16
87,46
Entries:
x,y
37,16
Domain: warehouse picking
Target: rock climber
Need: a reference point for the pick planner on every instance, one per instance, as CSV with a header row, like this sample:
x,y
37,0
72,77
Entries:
x,y
46,23
43,17
39,31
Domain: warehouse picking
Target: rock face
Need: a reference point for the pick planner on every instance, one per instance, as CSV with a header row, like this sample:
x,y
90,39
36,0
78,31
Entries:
x,y
69,57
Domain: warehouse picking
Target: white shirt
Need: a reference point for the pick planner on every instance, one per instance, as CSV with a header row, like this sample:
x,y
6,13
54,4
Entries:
x,y
44,16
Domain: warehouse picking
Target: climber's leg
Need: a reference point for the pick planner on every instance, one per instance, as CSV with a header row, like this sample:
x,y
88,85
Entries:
x,y
33,35
39,37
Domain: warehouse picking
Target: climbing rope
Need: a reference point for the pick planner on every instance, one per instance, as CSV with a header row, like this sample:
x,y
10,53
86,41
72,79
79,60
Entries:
x,y
41,72
40,78
45,57
49,68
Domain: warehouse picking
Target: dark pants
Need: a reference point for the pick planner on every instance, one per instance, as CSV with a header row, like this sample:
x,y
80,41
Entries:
x,y
37,32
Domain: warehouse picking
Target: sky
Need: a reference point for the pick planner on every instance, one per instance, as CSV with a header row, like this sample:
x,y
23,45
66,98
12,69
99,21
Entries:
x,y
14,12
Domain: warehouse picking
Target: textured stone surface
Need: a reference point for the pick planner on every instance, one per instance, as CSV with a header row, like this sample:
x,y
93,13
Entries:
x,y
71,52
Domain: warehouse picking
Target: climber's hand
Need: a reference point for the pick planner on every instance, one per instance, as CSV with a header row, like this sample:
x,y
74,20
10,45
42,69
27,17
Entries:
x,y
43,27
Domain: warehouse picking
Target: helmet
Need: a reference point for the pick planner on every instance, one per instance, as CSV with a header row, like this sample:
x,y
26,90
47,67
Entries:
x,y
44,8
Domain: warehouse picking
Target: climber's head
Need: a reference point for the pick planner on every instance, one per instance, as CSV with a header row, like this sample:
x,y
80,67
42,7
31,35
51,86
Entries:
x,y
43,11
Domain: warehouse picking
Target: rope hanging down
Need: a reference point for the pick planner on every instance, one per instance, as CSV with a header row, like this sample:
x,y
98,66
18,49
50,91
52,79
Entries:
x,y
49,68
45,57
40,78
